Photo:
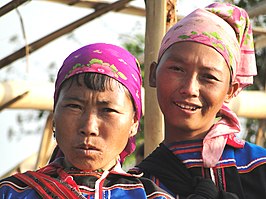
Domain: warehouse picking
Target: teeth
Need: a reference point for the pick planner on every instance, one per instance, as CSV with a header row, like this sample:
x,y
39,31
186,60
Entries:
x,y
187,107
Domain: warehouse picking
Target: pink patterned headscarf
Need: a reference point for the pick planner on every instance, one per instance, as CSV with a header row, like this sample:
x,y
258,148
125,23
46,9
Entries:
x,y
227,29
110,60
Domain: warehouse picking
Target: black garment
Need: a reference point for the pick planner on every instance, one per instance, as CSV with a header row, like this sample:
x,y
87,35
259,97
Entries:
x,y
165,166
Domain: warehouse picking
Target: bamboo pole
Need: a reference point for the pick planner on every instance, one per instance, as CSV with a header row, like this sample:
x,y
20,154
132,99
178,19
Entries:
x,y
128,9
26,95
11,6
155,29
39,95
47,145
56,34
249,104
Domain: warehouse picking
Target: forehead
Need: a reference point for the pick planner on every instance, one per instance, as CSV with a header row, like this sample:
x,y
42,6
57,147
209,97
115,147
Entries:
x,y
196,53
97,83
94,81
79,86
178,49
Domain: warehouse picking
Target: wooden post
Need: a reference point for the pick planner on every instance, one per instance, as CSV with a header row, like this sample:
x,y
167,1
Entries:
x,y
155,30
47,145
171,18
260,138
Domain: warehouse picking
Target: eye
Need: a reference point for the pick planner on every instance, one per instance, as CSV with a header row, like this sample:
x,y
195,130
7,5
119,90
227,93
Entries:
x,y
74,106
210,77
109,110
176,68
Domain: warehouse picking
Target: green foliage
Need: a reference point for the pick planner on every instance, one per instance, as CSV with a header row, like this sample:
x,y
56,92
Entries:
x,y
247,3
135,45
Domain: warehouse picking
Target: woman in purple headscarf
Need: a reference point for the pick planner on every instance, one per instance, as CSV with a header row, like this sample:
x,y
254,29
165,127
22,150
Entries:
x,y
97,109
205,59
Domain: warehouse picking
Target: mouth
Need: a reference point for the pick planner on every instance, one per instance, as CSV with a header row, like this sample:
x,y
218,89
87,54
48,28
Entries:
x,y
188,107
87,147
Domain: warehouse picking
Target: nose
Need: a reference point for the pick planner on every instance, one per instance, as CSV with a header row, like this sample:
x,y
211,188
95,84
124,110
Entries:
x,y
89,124
190,86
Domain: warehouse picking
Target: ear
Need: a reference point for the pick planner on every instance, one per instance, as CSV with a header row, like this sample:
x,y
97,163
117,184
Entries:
x,y
232,89
134,128
53,126
152,76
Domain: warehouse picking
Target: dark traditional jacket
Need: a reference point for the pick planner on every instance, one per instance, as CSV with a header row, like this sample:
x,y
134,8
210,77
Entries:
x,y
178,168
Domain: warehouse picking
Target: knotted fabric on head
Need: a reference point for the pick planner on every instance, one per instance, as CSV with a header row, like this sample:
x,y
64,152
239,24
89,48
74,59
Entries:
x,y
110,60
227,29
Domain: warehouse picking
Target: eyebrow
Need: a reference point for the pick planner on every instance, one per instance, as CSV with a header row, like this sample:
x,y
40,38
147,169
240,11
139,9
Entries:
x,y
182,60
99,102
70,98
103,102
212,68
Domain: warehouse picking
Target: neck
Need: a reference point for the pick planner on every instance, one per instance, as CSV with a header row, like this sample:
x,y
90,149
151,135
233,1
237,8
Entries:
x,y
171,139
182,135
67,165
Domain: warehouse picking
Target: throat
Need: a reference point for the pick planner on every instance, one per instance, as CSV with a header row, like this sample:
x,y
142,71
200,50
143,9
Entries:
x,y
182,136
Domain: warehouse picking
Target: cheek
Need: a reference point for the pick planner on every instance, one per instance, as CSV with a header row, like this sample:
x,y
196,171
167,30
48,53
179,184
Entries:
x,y
215,99
119,138
64,127
165,90
119,144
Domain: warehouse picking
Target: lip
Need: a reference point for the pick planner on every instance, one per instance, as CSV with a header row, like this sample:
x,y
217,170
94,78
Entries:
x,y
87,149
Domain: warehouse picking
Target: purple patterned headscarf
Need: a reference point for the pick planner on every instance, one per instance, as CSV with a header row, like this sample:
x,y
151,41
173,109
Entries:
x,y
227,29
109,60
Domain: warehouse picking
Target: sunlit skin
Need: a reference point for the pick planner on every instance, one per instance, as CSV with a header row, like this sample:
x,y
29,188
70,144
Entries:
x,y
193,81
92,128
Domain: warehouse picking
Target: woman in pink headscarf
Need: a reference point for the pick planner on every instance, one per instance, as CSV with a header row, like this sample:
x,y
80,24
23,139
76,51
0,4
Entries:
x,y
205,59
97,109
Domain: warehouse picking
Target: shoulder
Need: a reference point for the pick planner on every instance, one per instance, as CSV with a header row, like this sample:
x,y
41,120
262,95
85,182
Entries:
x,y
251,152
13,182
135,180
141,172
12,187
153,190
250,157
251,148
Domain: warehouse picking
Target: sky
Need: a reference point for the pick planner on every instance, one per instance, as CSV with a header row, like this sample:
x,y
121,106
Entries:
x,y
41,18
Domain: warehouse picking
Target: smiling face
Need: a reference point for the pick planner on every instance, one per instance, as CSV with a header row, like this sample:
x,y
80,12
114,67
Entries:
x,y
92,127
193,81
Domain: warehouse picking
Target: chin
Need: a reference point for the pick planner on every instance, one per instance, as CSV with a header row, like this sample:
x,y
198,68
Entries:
x,y
88,167
82,164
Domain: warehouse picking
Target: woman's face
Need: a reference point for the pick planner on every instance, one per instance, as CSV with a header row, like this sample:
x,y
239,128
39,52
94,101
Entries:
x,y
193,81
92,127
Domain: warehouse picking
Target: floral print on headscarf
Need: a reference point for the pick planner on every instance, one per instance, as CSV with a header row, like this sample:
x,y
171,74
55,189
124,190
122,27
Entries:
x,y
110,60
227,29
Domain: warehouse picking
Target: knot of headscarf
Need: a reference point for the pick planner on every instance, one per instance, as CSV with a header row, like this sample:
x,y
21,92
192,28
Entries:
x,y
110,60
227,29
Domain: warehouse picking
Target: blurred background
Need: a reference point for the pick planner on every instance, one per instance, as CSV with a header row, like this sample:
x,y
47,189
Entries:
x,y
29,61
